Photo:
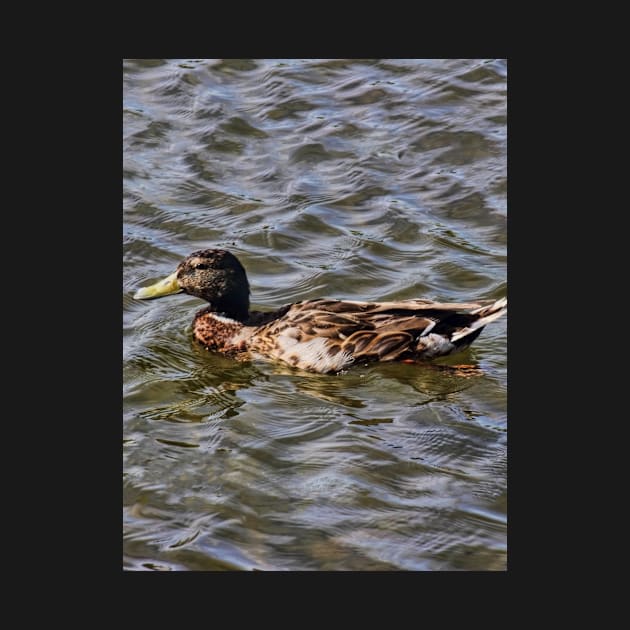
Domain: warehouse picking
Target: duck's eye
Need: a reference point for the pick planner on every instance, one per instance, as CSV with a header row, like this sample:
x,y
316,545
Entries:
x,y
202,266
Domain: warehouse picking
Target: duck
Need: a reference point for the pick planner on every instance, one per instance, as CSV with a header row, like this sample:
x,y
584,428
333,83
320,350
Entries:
x,y
318,335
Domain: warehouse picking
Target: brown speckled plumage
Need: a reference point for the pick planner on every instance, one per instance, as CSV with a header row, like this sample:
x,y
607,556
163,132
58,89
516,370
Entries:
x,y
215,334
323,335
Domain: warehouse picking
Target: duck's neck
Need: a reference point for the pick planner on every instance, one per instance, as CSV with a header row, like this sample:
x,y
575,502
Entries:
x,y
238,313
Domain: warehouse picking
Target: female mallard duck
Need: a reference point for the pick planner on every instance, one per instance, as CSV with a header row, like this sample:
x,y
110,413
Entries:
x,y
318,335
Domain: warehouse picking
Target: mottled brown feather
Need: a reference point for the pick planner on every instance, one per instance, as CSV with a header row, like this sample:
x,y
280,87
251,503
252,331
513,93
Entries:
x,y
328,335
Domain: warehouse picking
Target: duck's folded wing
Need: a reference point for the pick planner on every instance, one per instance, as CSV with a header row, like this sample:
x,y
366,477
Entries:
x,y
329,335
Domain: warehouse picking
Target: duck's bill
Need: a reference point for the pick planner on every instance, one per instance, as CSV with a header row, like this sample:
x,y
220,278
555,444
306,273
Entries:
x,y
168,286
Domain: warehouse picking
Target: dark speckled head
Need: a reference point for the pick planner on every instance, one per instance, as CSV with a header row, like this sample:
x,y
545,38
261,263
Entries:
x,y
213,275
217,276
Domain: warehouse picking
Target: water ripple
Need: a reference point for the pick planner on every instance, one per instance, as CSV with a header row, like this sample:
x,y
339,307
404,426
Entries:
x,y
364,179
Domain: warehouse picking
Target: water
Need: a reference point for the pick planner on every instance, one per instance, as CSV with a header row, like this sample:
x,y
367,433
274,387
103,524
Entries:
x,y
356,179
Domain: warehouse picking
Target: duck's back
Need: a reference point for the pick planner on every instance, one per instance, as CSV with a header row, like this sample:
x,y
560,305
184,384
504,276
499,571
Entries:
x,y
330,335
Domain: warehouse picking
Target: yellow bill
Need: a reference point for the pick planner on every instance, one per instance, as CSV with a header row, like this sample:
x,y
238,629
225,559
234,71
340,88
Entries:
x,y
168,286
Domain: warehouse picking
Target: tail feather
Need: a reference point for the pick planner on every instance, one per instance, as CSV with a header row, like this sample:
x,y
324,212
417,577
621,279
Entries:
x,y
499,305
486,315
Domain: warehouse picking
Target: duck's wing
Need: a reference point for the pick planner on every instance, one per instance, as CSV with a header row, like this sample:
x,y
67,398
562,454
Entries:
x,y
329,335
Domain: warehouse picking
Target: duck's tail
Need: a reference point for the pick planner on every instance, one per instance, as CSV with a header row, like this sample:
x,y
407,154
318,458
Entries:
x,y
485,315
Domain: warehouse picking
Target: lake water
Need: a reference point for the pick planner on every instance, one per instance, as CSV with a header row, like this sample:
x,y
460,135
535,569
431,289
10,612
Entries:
x,y
360,179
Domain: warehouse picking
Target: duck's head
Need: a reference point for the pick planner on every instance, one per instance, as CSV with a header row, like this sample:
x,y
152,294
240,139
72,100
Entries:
x,y
214,275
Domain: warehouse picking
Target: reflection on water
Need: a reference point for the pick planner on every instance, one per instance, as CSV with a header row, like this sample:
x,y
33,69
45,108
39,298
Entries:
x,y
351,179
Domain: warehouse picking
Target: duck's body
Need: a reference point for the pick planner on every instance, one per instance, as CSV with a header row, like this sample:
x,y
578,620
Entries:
x,y
319,335
331,335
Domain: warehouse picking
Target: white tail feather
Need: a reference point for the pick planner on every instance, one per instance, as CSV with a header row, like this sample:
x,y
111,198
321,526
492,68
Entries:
x,y
489,314
499,305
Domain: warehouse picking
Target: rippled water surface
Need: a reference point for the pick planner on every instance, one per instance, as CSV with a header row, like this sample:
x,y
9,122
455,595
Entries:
x,y
355,179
